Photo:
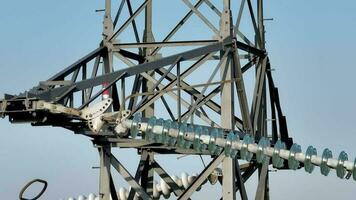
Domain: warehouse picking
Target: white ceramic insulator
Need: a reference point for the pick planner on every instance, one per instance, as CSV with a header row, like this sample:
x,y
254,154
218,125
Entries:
x,y
237,145
91,196
185,180
165,188
156,193
177,180
123,193
81,197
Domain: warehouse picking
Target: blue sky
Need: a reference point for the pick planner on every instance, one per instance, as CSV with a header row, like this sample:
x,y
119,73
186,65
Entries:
x,y
311,45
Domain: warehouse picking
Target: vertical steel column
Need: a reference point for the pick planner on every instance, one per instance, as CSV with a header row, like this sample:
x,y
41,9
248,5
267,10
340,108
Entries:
x,y
108,31
148,37
108,26
147,175
105,150
179,103
262,125
227,103
104,181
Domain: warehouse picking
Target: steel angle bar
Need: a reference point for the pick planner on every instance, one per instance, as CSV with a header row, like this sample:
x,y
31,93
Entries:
x,y
140,59
249,64
78,64
202,177
201,16
184,103
248,173
174,81
250,49
84,76
213,7
200,103
257,94
167,108
118,46
262,182
94,74
240,87
115,98
144,67
141,165
166,178
210,103
135,88
179,99
137,37
239,15
105,171
244,177
113,189
130,19
244,38
173,95
240,183
199,99
128,178
101,91
73,79
116,19
129,7
160,79
178,26
253,19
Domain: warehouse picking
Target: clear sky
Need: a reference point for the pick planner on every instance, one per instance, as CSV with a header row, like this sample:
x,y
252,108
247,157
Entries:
x,y
311,45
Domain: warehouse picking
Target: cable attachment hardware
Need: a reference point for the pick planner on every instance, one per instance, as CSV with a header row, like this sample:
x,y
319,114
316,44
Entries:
x,y
93,114
121,128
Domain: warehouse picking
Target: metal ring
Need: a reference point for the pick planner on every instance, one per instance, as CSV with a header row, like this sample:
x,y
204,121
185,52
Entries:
x,y
174,126
149,132
29,184
324,168
165,133
292,162
218,149
197,144
182,129
340,170
262,144
134,125
212,140
188,143
228,142
308,165
205,132
245,154
277,161
158,136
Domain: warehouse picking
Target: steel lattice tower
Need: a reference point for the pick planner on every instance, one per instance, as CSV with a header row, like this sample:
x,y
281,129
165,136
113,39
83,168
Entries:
x,y
196,82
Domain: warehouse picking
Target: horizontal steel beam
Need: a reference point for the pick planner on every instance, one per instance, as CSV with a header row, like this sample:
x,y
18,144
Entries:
x,y
149,66
118,46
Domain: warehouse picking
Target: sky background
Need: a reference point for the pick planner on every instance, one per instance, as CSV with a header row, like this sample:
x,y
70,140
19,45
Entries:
x,y
311,45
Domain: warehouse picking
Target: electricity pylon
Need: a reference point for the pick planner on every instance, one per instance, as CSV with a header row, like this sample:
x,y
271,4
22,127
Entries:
x,y
115,94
